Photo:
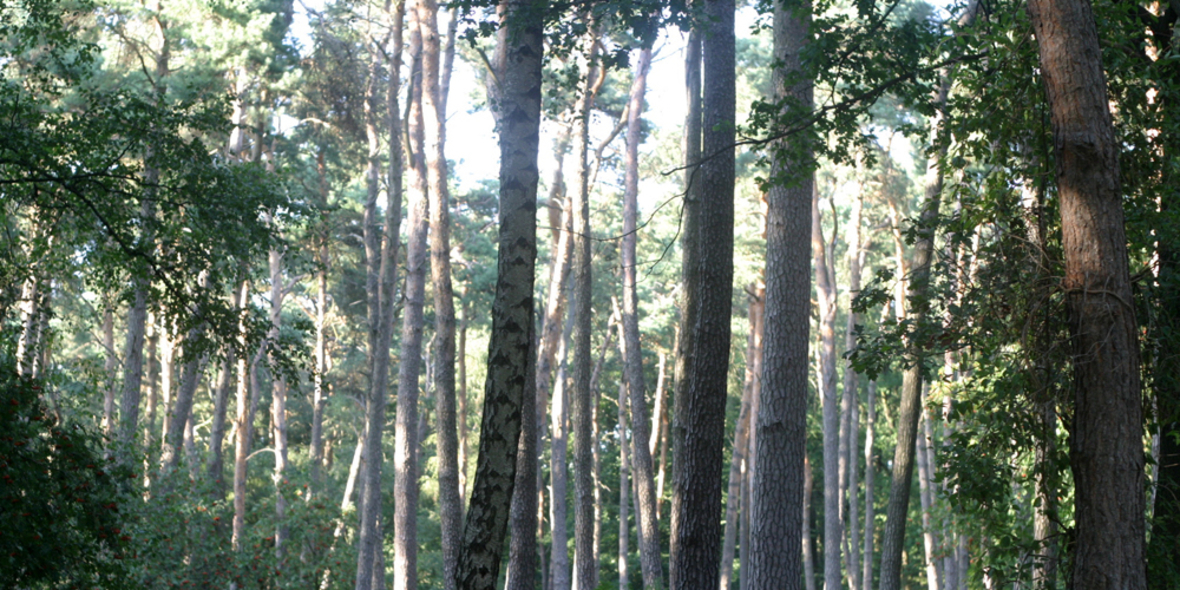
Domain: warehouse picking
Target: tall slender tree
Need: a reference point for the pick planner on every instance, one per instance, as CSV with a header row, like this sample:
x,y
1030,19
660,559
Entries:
x,y
511,352
778,489
696,493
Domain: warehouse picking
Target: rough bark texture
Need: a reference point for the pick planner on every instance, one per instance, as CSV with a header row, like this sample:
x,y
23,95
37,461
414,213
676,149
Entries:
x,y
778,488
741,436
690,240
649,548
582,351
434,104
1106,447
511,349
526,512
624,488
700,415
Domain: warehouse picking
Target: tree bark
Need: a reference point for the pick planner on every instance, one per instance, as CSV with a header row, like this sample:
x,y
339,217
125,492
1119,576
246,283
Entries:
x,y
1106,448
741,437
778,491
926,494
849,435
380,266
825,281
649,548
582,350
624,485
559,561
434,105
511,351
526,513
696,495
808,546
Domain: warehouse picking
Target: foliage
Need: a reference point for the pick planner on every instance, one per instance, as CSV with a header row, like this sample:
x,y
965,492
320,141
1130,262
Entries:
x,y
60,497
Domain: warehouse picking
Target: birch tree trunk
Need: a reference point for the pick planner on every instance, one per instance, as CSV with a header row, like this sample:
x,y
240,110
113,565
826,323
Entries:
x,y
870,484
511,351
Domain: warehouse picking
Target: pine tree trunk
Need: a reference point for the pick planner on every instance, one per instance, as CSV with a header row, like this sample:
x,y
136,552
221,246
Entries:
x,y
741,437
278,406
690,238
779,470
1106,450
850,435
649,537
511,350
696,494
624,485
319,389
434,105
825,280
582,351
559,561
808,546
380,267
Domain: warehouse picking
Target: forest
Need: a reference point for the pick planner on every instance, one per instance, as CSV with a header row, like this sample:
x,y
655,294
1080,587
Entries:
x,y
589,294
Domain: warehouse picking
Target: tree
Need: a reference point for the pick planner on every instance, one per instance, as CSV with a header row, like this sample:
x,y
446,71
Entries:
x,y
700,437
777,507
1106,450
644,473
511,352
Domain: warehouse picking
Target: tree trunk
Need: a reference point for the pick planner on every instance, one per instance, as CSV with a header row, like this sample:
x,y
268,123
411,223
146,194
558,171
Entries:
x,y
893,539
112,361
624,485
649,537
247,401
181,409
926,494
825,281
870,484
278,405
741,437
690,238
696,497
849,435
779,471
319,391
1106,450
559,561
434,105
511,351
582,350
380,266
808,546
